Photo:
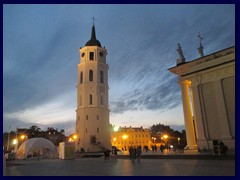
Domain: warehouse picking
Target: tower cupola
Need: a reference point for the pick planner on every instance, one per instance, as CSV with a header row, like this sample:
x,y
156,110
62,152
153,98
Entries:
x,y
93,41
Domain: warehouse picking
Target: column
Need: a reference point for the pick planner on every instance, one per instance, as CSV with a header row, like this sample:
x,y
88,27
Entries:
x,y
202,132
191,140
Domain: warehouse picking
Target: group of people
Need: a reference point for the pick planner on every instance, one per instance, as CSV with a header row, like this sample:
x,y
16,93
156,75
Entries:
x,y
135,153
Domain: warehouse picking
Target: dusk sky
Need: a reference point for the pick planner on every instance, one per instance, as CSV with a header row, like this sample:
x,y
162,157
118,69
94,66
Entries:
x,y
41,52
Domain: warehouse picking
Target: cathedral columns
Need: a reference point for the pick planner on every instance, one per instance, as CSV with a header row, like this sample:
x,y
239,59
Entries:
x,y
191,139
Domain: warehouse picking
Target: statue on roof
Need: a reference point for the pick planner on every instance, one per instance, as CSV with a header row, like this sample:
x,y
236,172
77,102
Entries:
x,y
181,58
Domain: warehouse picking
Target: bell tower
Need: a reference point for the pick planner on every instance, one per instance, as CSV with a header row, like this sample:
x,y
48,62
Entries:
x,y
92,113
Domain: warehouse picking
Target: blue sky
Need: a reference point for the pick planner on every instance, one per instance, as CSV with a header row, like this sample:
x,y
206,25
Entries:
x,y
41,52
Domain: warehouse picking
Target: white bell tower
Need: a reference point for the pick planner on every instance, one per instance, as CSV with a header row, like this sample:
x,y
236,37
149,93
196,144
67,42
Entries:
x,y
92,113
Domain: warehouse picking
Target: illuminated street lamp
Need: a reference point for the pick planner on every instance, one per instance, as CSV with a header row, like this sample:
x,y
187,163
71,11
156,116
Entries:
x,y
74,136
154,139
116,128
125,137
15,142
23,137
178,139
165,136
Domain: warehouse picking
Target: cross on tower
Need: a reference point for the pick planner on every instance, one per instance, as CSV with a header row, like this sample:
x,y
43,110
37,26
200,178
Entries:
x,y
199,36
93,19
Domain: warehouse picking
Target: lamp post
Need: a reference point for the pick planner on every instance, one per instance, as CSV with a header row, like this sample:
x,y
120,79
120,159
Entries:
x,y
178,140
125,138
165,137
154,139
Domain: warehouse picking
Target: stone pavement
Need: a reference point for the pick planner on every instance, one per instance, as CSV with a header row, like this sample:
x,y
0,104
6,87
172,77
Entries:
x,y
117,166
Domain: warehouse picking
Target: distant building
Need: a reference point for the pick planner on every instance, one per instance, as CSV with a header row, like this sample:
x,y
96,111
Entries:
x,y
208,98
124,137
92,113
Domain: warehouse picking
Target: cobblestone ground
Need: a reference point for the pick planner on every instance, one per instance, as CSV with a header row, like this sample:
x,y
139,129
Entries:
x,y
121,167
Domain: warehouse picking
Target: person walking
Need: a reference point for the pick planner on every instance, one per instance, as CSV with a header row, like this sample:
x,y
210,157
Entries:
x,y
139,152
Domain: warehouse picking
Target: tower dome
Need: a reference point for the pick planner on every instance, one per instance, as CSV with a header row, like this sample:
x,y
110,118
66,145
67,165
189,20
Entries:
x,y
93,41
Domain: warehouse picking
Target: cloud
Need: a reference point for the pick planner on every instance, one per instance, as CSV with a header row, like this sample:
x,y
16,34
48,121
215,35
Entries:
x,y
162,96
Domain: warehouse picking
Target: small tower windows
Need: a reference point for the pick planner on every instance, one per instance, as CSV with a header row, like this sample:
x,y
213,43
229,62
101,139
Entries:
x,y
81,77
91,56
90,75
90,99
101,77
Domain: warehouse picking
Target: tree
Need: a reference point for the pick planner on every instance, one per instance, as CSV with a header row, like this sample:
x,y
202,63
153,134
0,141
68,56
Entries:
x,y
34,131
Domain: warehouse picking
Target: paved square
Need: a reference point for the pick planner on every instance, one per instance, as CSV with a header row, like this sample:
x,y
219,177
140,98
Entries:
x,y
121,167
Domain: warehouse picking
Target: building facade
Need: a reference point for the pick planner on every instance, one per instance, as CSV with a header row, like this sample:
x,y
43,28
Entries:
x,y
125,137
92,113
208,98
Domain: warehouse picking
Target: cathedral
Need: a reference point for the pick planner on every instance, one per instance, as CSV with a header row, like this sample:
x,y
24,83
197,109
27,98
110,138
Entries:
x,y
92,113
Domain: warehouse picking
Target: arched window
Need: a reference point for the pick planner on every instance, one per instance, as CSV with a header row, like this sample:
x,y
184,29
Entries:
x,y
90,99
81,77
90,75
101,77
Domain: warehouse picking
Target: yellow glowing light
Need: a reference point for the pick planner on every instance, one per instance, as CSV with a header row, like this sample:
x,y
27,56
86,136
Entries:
x,y
23,137
116,128
124,136
114,139
70,140
75,137
15,141
165,136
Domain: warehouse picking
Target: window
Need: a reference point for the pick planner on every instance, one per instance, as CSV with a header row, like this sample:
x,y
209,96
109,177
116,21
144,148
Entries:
x,y
93,139
101,77
86,117
98,130
78,118
90,75
90,99
81,77
97,117
101,100
91,56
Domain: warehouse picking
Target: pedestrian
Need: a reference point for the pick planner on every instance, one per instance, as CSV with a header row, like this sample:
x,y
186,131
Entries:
x,y
133,153
106,154
139,152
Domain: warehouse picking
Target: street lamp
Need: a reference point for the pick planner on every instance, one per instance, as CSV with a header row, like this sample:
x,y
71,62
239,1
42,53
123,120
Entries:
x,y
124,138
178,140
154,139
23,137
